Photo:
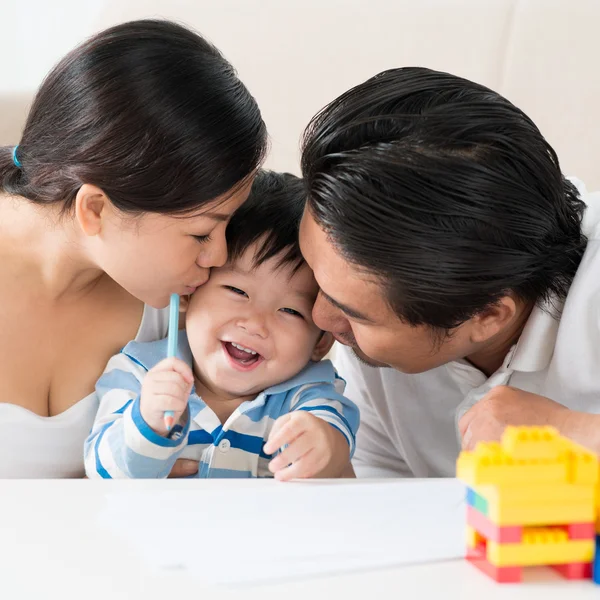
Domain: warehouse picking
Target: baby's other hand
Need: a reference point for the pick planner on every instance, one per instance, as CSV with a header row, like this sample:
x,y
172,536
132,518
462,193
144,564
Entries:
x,y
167,386
312,448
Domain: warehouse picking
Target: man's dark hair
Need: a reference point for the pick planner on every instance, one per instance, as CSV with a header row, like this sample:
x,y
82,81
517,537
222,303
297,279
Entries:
x,y
150,112
446,192
270,216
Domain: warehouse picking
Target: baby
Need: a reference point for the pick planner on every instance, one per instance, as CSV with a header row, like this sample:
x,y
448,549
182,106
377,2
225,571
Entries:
x,y
250,393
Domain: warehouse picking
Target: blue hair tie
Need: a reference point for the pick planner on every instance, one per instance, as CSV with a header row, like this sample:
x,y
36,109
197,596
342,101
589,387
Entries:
x,y
15,159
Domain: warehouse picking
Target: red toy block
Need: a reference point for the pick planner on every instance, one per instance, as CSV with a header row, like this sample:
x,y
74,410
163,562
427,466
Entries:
x,y
476,556
581,531
502,534
513,534
574,570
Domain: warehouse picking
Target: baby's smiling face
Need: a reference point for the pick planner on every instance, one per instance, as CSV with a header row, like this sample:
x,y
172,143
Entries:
x,y
250,327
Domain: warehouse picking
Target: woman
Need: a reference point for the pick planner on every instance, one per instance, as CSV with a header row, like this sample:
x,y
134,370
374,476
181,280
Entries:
x,y
139,146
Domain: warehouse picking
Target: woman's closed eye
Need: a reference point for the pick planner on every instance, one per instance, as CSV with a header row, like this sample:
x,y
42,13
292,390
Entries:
x,y
202,239
236,290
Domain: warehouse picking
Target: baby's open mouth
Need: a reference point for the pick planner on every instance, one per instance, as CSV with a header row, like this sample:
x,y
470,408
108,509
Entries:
x,y
242,355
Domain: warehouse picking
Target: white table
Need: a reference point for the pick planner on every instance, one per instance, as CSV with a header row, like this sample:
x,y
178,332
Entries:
x,y
51,547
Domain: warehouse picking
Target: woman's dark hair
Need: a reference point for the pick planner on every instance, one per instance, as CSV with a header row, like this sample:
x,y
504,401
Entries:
x,y
270,216
446,192
148,111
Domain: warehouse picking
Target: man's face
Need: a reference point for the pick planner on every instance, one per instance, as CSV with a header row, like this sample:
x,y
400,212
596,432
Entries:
x,y
352,305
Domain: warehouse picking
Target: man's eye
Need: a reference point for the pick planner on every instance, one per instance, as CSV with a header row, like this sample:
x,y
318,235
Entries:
x,y
202,238
291,311
236,290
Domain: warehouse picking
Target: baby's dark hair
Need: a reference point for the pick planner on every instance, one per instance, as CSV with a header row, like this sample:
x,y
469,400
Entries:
x,y
270,216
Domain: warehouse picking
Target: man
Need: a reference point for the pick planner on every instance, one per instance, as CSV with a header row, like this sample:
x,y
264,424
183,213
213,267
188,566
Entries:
x,y
449,247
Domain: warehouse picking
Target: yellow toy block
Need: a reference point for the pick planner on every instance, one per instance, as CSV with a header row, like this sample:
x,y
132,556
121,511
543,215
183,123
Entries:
x,y
472,537
541,546
541,514
486,466
541,493
584,466
532,443
528,455
598,509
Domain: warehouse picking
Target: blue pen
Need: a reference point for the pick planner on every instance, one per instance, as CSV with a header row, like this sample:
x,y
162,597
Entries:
x,y
169,416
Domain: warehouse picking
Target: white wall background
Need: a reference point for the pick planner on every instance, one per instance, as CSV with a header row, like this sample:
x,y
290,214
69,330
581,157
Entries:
x,y
297,55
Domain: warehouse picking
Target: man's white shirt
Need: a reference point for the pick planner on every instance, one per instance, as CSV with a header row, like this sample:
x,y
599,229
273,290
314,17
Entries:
x,y
409,422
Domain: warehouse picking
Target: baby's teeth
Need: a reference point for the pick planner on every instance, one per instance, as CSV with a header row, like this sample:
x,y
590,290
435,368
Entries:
x,y
242,348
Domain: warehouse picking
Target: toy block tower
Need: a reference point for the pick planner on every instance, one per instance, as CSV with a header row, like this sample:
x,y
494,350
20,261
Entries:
x,y
531,500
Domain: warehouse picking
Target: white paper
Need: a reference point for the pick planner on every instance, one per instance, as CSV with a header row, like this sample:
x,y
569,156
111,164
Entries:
x,y
243,534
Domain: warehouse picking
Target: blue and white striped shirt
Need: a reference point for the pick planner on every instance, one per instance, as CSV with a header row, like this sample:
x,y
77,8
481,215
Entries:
x,y
122,445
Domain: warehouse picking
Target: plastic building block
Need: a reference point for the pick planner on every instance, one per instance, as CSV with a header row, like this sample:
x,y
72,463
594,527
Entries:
x,y
528,455
472,538
574,570
596,563
598,509
476,556
513,574
487,465
541,514
540,493
514,533
581,531
584,466
541,546
533,443
544,504
477,501
490,531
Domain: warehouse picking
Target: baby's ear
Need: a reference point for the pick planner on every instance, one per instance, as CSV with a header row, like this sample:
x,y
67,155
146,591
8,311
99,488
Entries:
x,y
322,347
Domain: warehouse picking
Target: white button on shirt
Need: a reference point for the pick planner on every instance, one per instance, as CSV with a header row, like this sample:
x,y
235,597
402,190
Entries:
x,y
409,422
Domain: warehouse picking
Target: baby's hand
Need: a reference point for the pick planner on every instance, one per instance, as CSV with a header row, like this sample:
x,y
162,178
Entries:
x,y
313,448
167,386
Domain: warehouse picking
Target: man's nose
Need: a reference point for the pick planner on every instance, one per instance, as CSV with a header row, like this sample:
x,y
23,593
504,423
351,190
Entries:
x,y
328,317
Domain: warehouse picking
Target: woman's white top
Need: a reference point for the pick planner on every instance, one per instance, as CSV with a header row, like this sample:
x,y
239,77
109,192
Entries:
x,y
32,446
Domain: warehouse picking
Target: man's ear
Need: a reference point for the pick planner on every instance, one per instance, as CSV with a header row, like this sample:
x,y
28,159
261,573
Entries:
x,y
91,205
493,319
322,347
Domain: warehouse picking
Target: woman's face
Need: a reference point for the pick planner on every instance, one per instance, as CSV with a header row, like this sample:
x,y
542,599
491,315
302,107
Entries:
x,y
154,256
